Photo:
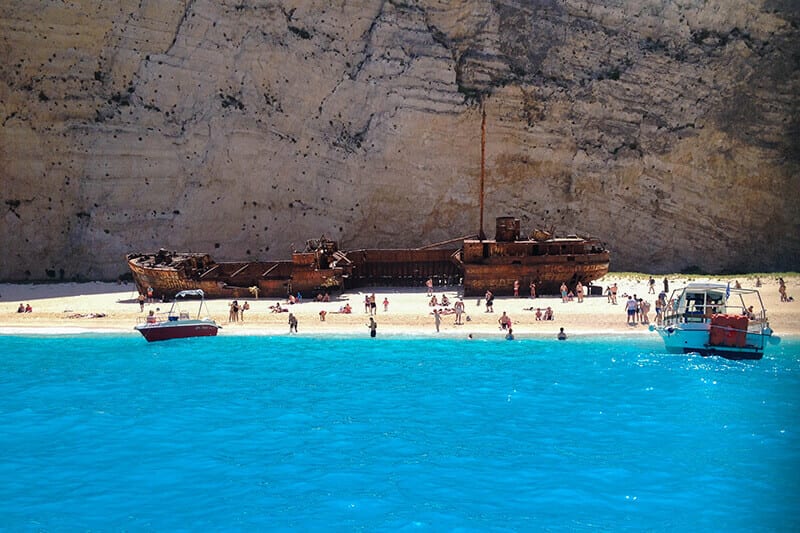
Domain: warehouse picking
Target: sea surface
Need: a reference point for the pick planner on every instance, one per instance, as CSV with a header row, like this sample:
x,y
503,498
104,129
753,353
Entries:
x,y
111,433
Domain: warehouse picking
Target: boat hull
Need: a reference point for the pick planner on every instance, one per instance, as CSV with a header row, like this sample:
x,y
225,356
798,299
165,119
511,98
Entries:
x,y
684,342
163,331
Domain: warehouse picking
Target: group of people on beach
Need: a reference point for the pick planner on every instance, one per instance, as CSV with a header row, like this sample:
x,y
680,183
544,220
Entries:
x,y
542,314
371,306
236,311
568,295
444,302
531,288
637,310
442,307
25,308
458,309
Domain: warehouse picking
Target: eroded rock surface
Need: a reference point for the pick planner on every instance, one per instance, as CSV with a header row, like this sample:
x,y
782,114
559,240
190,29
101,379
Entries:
x,y
667,128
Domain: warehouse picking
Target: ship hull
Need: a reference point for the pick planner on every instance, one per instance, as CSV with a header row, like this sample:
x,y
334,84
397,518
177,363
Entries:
x,y
230,280
495,265
480,265
547,273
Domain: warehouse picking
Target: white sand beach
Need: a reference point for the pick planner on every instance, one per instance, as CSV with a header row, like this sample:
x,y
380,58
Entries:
x,y
109,307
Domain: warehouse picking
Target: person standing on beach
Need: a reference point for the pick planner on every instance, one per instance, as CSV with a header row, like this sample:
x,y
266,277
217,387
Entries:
x,y
579,292
644,310
385,304
630,309
437,319
516,288
373,326
429,285
666,285
614,294
292,323
563,293
659,309
489,302
504,321
533,289
141,302
459,309
652,283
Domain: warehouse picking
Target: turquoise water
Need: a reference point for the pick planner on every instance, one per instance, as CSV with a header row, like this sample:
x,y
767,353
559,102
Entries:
x,y
298,433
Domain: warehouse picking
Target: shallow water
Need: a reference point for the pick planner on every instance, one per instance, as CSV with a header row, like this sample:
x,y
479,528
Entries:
x,y
243,433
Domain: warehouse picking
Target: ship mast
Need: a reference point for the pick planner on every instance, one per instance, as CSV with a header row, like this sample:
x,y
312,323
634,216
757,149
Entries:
x,y
481,234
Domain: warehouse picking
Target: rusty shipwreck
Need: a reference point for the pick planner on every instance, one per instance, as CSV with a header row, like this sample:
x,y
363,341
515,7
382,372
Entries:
x,y
478,264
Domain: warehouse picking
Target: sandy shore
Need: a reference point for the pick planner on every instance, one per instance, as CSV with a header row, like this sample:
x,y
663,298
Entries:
x,y
73,308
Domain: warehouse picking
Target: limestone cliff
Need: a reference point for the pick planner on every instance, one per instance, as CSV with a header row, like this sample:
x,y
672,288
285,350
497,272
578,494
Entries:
x,y
668,128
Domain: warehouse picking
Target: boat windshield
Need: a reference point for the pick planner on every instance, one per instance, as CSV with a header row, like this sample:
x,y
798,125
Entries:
x,y
702,302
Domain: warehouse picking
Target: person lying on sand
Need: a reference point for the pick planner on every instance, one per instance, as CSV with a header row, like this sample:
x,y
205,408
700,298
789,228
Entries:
x,y
277,308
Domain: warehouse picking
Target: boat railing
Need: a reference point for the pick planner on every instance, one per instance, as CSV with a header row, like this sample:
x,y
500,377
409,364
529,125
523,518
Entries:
x,y
754,325
759,323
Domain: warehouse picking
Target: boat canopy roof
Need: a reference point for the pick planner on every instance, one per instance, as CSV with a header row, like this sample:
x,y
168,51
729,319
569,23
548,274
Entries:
x,y
190,292
715,287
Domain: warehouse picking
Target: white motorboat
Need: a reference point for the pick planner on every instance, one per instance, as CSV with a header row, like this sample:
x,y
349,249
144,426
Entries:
x,y
716,319
178,324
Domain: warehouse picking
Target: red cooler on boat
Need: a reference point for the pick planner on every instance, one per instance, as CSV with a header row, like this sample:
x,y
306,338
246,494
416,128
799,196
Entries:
x,y
728,330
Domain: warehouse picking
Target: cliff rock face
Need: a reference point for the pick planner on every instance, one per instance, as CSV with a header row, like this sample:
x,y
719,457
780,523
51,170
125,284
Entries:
x,y
668,128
